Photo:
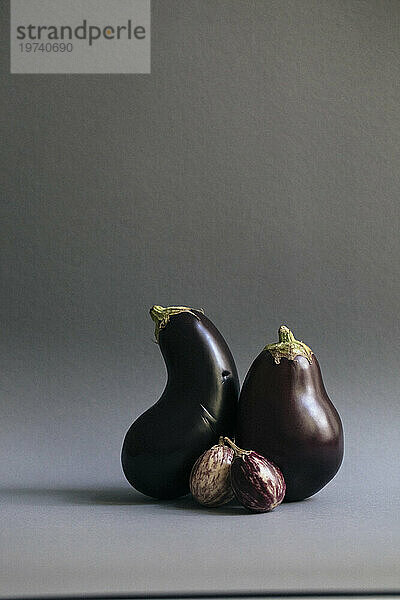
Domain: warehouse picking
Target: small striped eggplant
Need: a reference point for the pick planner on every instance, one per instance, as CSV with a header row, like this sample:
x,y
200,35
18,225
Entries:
x,y
210,479
256,482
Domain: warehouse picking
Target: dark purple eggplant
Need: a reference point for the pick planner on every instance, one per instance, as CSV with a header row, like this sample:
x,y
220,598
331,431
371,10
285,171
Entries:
x,y
257,483
285,414
198,405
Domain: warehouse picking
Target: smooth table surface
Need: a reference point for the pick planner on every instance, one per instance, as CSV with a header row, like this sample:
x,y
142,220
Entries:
x,y
114,540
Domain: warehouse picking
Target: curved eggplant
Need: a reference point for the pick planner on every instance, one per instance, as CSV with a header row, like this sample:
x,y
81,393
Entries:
x,y
198,405
286,415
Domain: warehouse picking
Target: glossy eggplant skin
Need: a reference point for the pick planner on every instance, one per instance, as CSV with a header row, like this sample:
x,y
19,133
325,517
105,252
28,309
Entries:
x,y
198,405
285,415
257,483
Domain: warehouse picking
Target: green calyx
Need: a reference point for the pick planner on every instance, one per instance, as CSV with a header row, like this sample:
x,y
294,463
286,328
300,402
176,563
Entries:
x,y
288,347
161,315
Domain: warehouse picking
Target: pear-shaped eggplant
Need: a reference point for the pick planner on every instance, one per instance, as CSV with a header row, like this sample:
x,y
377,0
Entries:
x,y
285,414
198,405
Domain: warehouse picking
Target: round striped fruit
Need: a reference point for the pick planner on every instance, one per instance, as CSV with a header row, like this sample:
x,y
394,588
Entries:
x,y
210,476
257,483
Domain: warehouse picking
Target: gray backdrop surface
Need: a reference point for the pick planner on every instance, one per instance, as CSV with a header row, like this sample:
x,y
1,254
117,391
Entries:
x,y
255,173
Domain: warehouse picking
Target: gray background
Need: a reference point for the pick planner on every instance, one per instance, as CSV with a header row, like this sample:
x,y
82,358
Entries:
x,y
254,173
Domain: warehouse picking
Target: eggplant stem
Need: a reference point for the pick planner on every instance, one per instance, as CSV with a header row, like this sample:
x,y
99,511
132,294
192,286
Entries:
x,y
238,451
161,315
288,347
285,335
